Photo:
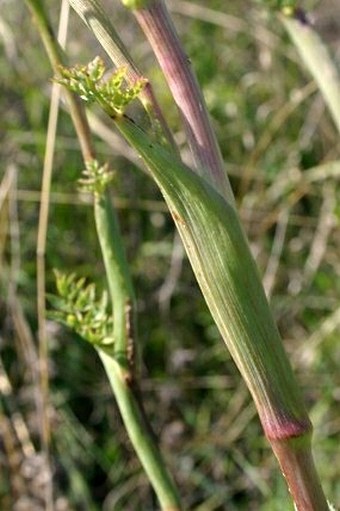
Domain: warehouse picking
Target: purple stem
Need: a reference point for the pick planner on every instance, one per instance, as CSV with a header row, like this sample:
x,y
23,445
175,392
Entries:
x,y
161,33
297,465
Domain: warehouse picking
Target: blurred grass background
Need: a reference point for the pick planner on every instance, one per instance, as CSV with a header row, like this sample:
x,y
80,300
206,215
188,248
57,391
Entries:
x,y
283,155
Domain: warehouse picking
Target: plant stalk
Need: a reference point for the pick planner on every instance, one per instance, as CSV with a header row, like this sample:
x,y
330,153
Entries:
x,y
57,57
139,433
119,281
119,365
227,274
297,465
159,29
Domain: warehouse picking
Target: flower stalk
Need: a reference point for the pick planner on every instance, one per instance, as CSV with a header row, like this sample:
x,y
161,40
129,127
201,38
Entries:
x,y
96,19
117,347
120,363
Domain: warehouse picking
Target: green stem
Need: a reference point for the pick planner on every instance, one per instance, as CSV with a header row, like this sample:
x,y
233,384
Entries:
x,y
57,58
119,366
119,279
316,57
140,435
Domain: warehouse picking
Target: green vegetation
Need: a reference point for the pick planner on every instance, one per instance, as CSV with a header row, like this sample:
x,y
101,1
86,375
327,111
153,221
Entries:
x,y
281,150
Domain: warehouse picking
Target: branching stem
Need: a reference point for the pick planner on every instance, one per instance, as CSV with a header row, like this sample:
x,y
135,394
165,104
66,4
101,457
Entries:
x,y
157,25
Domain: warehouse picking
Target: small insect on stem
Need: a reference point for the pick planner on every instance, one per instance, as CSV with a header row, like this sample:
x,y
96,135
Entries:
x,y
297,13
302,16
